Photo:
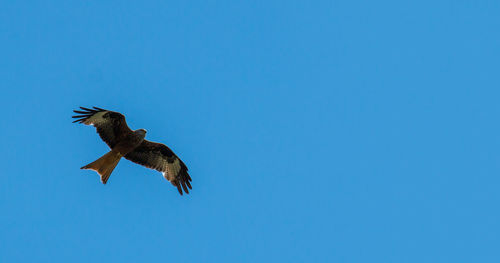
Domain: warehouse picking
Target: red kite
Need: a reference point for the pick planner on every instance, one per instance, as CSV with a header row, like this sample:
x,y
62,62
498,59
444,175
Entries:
x,y
131,145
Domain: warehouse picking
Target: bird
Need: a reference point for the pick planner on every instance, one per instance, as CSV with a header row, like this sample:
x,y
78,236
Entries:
x,y
131,145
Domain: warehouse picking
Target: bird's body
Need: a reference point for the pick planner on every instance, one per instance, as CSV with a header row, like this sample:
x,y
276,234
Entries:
x,y
130,142
131,145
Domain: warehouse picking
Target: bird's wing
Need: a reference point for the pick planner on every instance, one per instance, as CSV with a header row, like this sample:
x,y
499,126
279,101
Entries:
x,y
110,125
159,157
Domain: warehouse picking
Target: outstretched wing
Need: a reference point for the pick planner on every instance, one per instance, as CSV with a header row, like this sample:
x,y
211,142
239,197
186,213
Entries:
x,y
159,157
110,125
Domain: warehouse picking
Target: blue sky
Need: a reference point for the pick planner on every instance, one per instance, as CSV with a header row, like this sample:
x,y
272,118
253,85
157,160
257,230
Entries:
x,y
321,131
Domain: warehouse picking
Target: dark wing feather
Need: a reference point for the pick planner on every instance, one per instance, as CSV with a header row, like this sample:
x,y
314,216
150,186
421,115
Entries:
x,y
111,126
159,157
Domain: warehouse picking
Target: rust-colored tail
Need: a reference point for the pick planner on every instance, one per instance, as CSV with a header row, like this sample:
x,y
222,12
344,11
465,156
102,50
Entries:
x,y
105,165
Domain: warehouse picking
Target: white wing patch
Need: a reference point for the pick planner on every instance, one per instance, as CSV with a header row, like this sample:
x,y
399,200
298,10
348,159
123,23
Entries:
x,y
172,170
96,119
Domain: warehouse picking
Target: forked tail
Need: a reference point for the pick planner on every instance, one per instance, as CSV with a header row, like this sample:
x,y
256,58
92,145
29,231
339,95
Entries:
x,y
105,165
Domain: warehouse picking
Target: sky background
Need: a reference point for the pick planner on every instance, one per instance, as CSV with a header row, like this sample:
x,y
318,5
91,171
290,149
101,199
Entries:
x,y
314,131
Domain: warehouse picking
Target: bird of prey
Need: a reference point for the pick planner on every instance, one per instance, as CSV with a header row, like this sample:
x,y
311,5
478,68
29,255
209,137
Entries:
x,y
131,145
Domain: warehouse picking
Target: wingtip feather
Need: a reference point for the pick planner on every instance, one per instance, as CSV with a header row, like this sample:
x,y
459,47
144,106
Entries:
x,y
86,113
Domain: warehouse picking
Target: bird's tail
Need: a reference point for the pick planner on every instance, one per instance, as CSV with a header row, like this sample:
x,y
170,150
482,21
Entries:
x,y
105,165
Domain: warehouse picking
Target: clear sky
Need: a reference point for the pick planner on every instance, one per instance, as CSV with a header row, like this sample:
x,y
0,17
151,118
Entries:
x,y
314,131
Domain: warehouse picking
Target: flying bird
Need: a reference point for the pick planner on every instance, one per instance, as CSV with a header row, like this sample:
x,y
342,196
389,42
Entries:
x,y
131,145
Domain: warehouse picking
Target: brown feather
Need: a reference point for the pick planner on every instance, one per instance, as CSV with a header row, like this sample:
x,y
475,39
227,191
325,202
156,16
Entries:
x,y
111,126
161,158
105,165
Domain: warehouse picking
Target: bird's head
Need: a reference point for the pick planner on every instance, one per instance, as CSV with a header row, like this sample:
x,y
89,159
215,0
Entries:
x,y
141,132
